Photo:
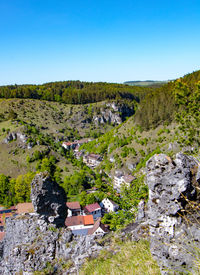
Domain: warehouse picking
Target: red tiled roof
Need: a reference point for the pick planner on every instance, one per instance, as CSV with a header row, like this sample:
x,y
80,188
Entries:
x,y
74,220
2,234
73,205
88,220
26,207
92,207
79,220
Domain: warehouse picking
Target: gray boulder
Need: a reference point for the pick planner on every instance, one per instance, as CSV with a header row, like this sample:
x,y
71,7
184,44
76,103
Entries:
x,y
172,214
10,137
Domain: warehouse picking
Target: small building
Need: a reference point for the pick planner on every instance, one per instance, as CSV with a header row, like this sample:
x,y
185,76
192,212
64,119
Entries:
x,y
74,208
120,179
75,144
98,228
93,209
69,145
78,154
127,179
109,205
79,222
92,160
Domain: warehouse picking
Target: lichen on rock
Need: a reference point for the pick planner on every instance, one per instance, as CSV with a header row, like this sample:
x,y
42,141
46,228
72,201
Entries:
x,y
174,232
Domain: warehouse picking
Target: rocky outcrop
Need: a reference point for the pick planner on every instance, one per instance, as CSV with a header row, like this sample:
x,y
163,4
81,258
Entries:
x,y
173,211
31,244
10,137
113,113
38,240
15,136
49,199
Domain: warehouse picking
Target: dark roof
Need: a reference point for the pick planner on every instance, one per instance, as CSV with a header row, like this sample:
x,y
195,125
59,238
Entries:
x,y
73,205
92,207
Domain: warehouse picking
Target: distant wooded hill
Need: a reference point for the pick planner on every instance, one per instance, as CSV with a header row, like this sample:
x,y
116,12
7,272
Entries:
x,y
149,83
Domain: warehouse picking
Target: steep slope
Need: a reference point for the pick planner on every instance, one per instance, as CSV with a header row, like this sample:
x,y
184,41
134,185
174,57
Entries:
x,y
161,105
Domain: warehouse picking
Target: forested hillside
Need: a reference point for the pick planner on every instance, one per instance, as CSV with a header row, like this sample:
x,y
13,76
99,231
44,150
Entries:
x,y
162,105
75,92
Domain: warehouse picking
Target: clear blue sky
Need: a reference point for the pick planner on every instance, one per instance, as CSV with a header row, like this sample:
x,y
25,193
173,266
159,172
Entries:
x,y
98,40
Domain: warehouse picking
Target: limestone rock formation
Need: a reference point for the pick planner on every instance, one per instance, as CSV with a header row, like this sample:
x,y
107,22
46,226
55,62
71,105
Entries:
x,y
49,199
34,241
14,136
173,211
31,244
113,113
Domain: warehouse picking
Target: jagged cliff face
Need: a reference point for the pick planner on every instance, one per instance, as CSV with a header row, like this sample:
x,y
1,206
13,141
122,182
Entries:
x,y
113,113
33,240
173,213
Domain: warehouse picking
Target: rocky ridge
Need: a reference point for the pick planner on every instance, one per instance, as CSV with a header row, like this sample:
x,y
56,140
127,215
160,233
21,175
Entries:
x,y
36,239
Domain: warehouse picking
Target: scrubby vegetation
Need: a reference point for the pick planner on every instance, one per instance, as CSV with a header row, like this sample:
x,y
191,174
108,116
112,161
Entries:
x,y
133,258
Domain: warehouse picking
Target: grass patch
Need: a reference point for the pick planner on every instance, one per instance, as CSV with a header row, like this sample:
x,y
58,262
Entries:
x,y
134,258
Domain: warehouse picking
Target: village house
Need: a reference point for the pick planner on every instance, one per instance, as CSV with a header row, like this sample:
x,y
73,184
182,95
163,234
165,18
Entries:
x,y
69,145
75,144
120,179
79,225
78,154
109,205
93,209
92,160
127,179
74,208
98,228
